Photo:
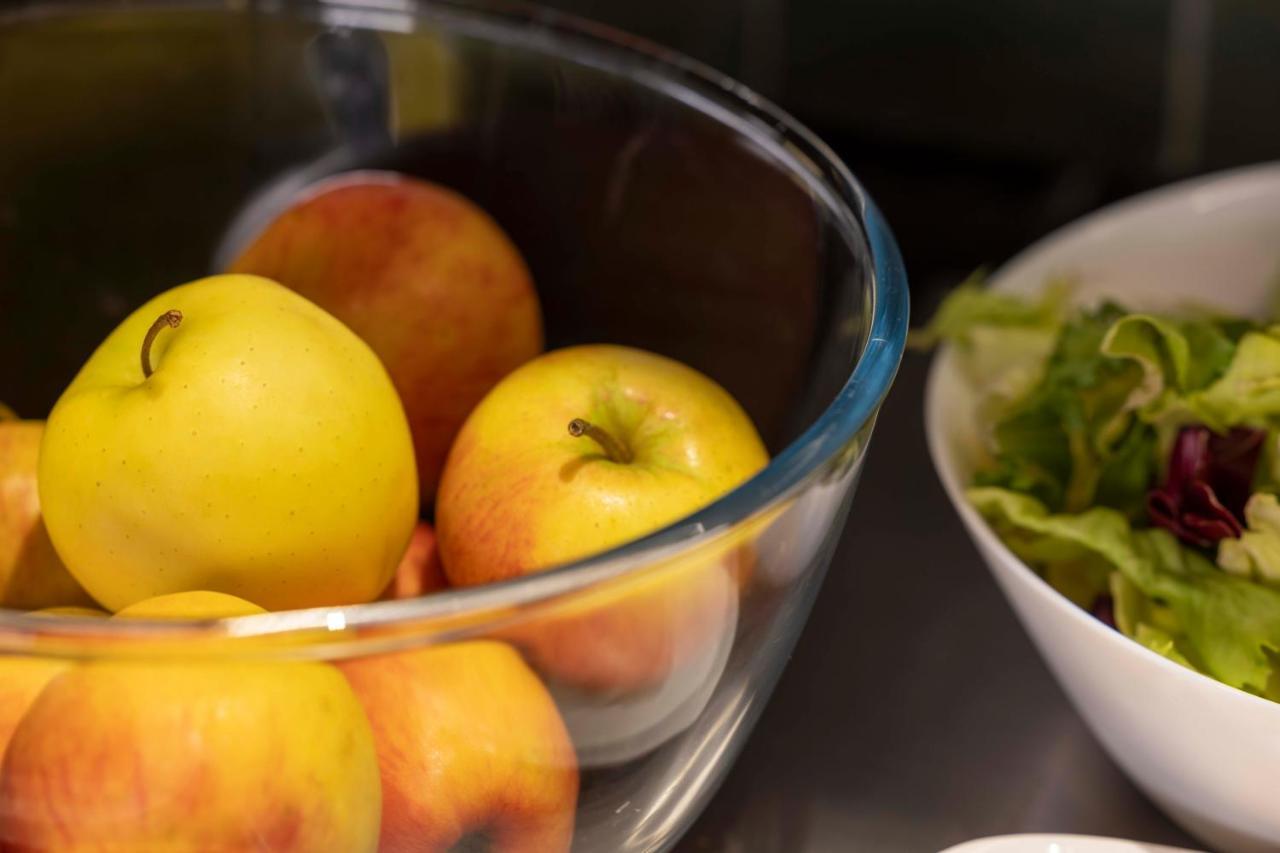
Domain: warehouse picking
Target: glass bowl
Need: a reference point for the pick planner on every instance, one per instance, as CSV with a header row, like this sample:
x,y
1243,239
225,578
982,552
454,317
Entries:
x,y
658,204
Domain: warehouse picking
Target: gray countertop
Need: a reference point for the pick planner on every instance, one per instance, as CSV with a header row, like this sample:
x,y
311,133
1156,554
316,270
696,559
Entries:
x,y
915,713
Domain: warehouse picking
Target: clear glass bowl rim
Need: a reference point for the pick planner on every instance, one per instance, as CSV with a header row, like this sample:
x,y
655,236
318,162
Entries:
x,y
791,145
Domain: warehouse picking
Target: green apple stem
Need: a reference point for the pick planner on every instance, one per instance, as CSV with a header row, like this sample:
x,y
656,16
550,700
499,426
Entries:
x,y
167,320
614,449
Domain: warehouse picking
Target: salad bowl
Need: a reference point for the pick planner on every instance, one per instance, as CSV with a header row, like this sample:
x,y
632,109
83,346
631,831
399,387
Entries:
x,y
1204,751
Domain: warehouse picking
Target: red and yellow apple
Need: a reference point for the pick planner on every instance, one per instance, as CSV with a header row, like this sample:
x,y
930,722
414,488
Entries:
x,y
21,680
419,572
471,747
23,677
31,573
579,451
182,755
427,278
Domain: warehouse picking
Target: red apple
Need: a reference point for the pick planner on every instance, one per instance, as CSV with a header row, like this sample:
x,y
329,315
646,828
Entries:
x,y
470,747
425,277
31,573
419,572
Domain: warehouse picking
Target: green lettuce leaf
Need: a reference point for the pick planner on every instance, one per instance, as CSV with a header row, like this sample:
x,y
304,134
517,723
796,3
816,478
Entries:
x,y
1100,534
972,306
1246,394
1072,435
1024,475
1174,356
1002,363
1162,643
1157,346
1256,554
1127,471
1230,625
1001,341
1132,608
1267,476
1149,622
1081,580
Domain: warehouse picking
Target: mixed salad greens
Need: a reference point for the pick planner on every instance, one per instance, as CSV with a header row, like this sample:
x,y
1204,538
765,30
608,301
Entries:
x,y
1134,460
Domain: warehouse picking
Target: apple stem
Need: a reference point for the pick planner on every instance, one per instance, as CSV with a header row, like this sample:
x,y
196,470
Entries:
x,y
614,449
167,320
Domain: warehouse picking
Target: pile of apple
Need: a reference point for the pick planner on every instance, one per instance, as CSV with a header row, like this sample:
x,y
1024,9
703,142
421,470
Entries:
x,y
276,438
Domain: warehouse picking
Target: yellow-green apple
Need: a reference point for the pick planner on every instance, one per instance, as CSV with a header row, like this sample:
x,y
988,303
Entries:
x,y
579,451
471,749
31,573
231,436
183,755
422,274
419,572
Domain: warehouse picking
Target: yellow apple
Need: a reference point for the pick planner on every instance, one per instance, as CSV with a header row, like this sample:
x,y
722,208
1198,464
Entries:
x,y
31,573
422,274
470,746
579,451
90,612
193,604
179,755
230,436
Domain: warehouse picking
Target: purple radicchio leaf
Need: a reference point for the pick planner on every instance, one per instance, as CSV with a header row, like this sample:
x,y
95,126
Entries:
x,y
1208,481
1104,610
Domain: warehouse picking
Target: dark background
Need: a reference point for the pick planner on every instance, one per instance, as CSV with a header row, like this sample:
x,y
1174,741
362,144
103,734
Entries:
x,y
980,126
915,714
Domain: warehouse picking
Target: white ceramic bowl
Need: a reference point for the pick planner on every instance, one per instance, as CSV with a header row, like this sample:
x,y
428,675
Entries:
x,y
1057,844
1208,754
